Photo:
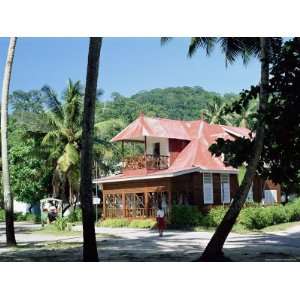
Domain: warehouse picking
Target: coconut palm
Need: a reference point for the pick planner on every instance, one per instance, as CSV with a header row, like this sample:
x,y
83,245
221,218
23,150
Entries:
x,y
246,117
106,154
214,112
63,137
86,189
8,201
233,48
213,250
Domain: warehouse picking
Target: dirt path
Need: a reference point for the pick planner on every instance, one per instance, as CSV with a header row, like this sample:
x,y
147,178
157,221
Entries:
x,y
144,245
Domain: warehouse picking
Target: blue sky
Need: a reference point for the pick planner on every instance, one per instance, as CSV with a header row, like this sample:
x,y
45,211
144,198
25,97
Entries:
x,y
127,66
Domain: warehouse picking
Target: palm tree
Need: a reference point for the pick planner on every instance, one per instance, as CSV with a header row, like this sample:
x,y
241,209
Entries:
x,y
214,112
86,189
213,250
107,155
232,48
8,201
247,116
64,121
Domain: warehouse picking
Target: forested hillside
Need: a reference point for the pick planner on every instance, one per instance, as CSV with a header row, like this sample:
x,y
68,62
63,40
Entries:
x,y
175,102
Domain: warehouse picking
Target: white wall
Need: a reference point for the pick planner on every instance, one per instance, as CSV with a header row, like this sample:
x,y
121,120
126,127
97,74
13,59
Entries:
x,y
164,145
21,207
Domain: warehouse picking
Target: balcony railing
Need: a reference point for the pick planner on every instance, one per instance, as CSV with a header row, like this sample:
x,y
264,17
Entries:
x,y
148,161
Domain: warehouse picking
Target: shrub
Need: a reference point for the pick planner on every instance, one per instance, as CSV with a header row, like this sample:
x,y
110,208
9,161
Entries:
x,y
246,217
185,216
62,224
2,215
142,223
19,217
75,216
214,217
281,214
293,210
262,217
122,222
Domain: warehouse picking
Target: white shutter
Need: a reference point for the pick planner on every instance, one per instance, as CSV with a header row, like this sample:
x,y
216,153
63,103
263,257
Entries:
x,y
208,188
250,194
225,188
270,196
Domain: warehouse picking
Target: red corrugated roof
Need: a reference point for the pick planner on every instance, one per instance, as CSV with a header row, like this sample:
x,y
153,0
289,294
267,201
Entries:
x,y
176,129
194,156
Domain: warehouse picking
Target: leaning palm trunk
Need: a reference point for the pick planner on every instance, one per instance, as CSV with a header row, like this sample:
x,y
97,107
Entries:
x,y
86,188
213,250
8,201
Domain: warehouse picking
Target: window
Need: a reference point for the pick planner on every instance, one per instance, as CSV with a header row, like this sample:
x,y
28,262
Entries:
x,y
225,188
270,196
208,188
156,149
250,194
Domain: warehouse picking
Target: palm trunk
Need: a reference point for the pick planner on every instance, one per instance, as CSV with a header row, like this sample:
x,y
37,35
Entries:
x,y
86,188
8,201
214,249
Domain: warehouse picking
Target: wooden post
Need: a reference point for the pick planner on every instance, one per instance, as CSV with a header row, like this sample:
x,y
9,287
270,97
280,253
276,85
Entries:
x,y
169,197
104,210
145,151
122,154
124,204
146,198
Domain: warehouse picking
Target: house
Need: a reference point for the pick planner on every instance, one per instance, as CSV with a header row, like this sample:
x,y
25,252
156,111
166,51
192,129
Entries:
x,y
175,167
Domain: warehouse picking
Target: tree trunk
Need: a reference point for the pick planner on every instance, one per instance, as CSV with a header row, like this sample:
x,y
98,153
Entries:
x,y
86,188
8,201
214,249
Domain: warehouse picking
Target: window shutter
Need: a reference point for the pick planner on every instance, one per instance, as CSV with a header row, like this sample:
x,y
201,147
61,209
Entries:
x,y
270,196
250,194
225,188
208,188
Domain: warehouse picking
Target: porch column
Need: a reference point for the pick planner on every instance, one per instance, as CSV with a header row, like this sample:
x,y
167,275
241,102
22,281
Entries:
x,y
145,151
146,203
122,154
103,204
124,204
169,197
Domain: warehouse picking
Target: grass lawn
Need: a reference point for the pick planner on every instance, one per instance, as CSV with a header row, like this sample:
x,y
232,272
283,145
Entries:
x,y
280,227
242,230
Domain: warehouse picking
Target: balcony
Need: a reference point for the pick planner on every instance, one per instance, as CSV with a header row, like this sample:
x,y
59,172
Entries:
x,y
147,161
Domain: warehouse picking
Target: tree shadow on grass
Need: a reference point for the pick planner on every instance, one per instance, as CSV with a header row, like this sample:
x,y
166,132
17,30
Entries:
x,y
43,252
171,247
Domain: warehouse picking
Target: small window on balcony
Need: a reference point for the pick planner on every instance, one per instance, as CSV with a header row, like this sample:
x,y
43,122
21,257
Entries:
x,y
156,149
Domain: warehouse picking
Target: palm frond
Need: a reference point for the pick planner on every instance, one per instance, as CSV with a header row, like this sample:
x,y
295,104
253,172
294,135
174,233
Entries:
x,y
233,47
109,127
164,40
69,158
51,137
207,43
51,100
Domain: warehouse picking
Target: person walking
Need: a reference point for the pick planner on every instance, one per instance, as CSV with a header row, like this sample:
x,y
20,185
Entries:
x,y
160,218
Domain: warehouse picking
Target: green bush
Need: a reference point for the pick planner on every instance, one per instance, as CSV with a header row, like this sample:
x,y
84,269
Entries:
x,y
19,217
259,217
2,215
293,210
182,216
281,214
142,223
62,224
122,222
75,216
214,217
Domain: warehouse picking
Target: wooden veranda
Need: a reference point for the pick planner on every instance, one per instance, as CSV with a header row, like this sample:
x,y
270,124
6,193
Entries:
x,y
135,202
